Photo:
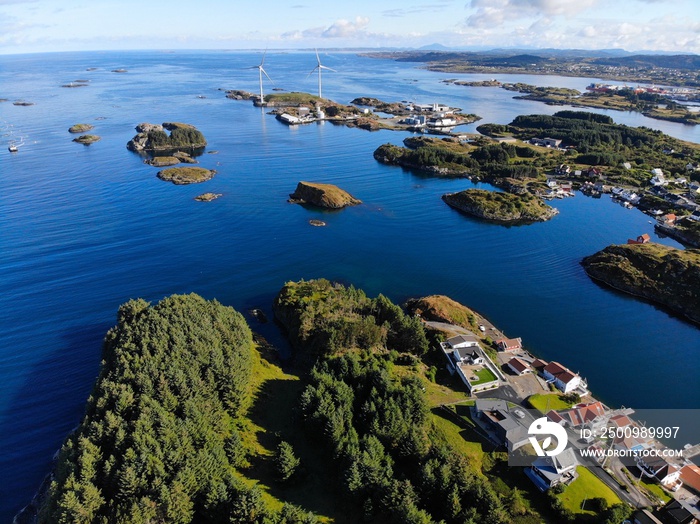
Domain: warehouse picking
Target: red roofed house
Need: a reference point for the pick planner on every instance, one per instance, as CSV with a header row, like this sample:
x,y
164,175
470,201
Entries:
x,y
564,379
538,364
690,475
641,239
669,219
620,421
518,366
585,415
509,344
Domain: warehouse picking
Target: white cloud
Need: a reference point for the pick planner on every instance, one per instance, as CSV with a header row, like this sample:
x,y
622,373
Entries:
x,y
347,28
497,12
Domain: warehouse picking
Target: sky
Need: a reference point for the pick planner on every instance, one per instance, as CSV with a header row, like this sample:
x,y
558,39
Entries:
x,y
28,26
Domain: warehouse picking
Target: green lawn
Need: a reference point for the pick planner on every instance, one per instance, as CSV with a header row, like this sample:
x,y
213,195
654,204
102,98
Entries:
x,y
484,375
547,402
586,487
463,441
656,490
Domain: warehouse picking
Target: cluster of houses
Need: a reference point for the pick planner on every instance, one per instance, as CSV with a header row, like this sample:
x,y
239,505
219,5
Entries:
x,y
507,424
440,116
553,373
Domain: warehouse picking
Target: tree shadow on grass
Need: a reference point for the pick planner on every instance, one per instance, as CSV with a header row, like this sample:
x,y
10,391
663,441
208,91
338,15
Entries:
x,y
313,486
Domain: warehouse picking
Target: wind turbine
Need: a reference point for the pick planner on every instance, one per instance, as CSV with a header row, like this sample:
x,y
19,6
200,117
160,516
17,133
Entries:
x,y
319,66
261,70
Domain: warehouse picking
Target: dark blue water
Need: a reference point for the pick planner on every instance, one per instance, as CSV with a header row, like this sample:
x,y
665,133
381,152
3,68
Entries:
x,y
83,229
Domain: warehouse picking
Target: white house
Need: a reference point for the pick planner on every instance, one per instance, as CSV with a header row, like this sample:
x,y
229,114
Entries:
x,y
547,472
658,179
666,474
462,341
564,379
518,366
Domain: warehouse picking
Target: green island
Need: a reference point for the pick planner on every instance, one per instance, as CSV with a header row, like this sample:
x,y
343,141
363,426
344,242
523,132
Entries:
x,y
80,128
322,195
87,139
661,274
153,137
186,175
500,207
192,419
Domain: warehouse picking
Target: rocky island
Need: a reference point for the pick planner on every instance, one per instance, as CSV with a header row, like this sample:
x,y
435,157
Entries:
x,y
80,128
322,195
153,137
500,207
207,197
186,175
661,274
87,139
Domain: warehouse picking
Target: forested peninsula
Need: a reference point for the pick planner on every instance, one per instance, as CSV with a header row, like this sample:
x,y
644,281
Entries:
x,y
192,421
661,274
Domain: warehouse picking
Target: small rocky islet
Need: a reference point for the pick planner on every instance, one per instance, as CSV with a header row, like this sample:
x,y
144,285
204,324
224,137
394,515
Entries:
x,y
186,175
207,197
322,195
80,128
86,140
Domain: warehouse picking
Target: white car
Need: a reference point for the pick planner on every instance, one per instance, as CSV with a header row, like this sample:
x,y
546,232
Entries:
x,y
482,328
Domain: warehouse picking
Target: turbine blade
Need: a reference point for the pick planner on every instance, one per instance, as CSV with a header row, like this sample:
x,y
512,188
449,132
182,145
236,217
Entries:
x,y
262,62
317,58
312,72
324,67
268,76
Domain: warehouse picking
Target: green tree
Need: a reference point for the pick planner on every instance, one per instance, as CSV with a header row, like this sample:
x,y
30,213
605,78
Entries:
x,y
286,463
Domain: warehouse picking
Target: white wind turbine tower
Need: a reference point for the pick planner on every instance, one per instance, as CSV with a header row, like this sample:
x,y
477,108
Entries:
x,y
262,71
319,66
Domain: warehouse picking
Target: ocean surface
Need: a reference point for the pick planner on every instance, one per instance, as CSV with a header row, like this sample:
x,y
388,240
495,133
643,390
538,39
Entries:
x,y
84,229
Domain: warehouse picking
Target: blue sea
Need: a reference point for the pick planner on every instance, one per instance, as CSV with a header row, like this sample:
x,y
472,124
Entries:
x,y
84,229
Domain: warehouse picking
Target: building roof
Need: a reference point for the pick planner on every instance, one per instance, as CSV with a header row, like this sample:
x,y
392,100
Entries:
x,y
674,512
555,417
621,421
539,364
462,339
645,517
690,475
584,413
509,343
552,467
468,352
560,372
518,365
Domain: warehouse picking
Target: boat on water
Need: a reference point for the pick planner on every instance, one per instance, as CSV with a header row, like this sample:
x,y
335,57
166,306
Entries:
x,y
13,148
